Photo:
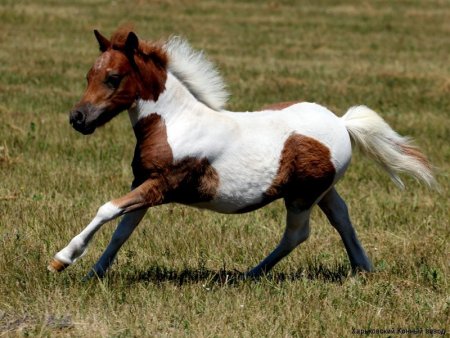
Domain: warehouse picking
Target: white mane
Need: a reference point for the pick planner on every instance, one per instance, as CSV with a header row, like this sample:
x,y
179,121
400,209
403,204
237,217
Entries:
x,y
196,72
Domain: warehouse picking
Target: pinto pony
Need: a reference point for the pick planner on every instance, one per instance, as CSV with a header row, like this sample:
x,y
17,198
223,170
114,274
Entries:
x,y
190,150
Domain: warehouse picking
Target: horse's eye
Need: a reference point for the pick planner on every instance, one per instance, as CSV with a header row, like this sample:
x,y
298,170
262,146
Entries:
x,y
113,80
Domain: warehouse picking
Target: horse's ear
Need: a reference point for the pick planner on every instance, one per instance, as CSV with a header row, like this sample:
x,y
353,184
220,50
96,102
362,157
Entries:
x,y
131,44
103,42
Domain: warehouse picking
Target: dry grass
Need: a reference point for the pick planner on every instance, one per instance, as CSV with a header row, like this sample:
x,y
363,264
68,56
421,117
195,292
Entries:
x,y
176,275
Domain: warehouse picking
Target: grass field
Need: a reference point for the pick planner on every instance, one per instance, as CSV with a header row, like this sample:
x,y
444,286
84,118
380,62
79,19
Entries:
x,y
175,277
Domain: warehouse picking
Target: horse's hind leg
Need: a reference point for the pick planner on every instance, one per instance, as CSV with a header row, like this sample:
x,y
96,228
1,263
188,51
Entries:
x,y
297,231
336,211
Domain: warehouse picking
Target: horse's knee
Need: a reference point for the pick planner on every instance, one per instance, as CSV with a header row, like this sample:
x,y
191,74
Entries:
x,y
108,211
293,237
297,227
302,234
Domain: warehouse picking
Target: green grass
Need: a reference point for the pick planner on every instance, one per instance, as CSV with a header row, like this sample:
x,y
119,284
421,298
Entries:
x,y
176,275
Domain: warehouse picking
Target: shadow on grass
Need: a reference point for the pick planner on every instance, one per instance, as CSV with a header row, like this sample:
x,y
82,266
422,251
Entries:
x,y
314,271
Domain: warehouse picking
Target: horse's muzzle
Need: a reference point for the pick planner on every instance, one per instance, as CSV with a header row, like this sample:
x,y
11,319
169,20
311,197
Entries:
x,y
86,117
78,120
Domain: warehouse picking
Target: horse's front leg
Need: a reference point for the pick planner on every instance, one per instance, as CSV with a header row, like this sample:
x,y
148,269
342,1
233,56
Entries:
x,y
123,231
146,195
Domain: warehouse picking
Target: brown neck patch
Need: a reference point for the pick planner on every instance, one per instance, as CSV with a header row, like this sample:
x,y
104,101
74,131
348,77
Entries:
x,y
152,155
190,180
152,73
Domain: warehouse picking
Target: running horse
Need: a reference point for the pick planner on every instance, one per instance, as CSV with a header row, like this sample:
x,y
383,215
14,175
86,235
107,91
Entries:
x,y
190,150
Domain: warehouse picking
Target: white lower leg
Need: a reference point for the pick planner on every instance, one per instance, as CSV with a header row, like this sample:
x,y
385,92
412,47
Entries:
x,y
123,231
79,243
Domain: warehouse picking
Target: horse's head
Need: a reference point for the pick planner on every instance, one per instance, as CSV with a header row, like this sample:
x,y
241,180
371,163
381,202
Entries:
x,y
126,70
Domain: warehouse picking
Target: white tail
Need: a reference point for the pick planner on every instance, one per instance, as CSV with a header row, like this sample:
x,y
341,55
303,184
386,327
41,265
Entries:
x,y
393,152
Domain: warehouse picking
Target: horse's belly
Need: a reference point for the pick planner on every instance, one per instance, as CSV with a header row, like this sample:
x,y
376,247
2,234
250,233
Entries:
x,y
246,172
234,205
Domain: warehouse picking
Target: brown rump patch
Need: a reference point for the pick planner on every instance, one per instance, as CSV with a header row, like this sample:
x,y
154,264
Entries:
x,y
279,105
190,180
305,171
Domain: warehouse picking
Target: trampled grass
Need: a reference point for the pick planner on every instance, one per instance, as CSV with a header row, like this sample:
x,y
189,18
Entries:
x,y
177,274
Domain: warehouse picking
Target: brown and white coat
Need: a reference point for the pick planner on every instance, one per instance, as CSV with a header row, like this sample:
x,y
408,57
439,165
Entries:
x,y
190,150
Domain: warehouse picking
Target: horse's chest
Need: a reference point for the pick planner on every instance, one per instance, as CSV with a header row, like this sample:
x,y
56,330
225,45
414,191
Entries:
x,y
190,180
186,180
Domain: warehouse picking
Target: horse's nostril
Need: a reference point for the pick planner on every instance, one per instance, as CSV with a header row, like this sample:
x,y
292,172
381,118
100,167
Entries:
x,y
77,117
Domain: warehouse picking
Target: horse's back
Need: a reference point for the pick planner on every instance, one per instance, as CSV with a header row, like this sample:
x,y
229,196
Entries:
x,y
307,119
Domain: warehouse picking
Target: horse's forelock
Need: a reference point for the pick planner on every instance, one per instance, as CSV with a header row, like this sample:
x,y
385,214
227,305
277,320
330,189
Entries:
x,y
119,38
